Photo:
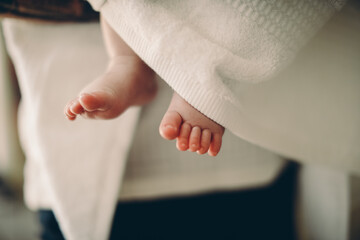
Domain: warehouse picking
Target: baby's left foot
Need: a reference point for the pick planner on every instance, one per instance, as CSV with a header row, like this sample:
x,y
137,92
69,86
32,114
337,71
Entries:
x,y
192,129
128,81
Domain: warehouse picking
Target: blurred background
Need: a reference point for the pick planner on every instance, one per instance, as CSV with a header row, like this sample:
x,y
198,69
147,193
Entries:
x,y
16,221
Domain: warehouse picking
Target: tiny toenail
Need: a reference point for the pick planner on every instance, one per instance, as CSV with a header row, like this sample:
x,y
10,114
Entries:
x,y
169,126
194,145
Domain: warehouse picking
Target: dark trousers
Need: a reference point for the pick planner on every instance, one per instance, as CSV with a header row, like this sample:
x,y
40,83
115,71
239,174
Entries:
x,y
265,213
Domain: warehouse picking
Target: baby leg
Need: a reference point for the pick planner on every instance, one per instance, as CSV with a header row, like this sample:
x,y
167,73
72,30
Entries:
x,y
128,81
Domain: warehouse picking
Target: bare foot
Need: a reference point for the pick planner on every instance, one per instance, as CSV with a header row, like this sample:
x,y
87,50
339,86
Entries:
x,y
192,129
128,81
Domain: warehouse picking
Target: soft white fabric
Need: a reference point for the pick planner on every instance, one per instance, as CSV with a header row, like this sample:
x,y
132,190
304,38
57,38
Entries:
x,y
218,54
75,168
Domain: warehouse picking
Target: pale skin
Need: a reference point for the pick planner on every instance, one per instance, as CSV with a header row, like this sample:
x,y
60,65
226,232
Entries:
x,y
128,81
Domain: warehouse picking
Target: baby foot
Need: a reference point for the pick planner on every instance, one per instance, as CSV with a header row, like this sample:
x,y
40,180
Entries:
x,y
128,81
192,129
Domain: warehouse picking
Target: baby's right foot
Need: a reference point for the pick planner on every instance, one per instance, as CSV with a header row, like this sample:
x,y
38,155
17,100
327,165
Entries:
x,y
128,81
192,129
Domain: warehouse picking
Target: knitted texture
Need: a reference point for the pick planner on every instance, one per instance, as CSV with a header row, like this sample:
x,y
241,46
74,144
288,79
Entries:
x,y
260,37
263,36
290,22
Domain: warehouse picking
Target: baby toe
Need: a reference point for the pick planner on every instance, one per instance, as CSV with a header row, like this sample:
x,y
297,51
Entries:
x,y
170,125
69,114
67,111
194,141
215,144
205,141
76,108
183,138
91,102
